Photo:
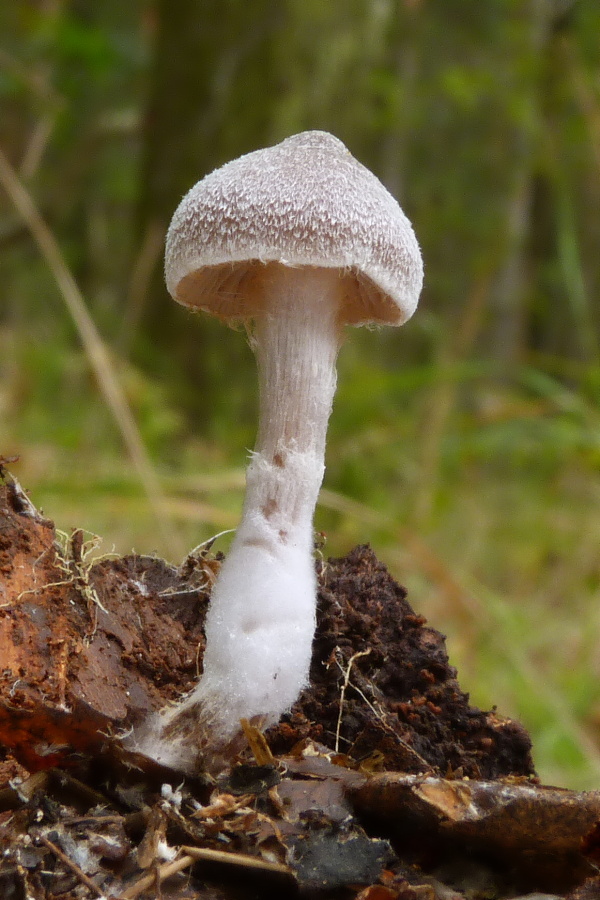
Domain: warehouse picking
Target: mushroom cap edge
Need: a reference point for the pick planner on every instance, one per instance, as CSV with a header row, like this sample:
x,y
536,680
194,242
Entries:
x,y
304,202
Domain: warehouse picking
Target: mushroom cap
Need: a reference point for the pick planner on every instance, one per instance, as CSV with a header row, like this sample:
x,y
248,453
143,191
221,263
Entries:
x,y
304,202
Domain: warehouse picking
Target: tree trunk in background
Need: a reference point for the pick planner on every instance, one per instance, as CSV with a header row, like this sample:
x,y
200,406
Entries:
x,y
210,57
559,214
509,294
541,223
404,41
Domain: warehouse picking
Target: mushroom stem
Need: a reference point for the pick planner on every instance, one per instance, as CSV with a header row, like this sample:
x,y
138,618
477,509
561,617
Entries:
x,y
296,341
261,619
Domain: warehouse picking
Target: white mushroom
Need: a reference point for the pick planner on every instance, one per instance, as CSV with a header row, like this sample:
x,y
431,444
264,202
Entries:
x,y
298,239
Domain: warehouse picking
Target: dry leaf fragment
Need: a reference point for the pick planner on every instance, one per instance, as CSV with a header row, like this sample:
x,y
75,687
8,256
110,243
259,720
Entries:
x,y
324,797
150,849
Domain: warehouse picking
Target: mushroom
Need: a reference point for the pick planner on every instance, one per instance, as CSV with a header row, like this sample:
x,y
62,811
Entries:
x,y
297,239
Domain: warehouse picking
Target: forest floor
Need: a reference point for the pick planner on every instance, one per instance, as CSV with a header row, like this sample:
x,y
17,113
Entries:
x,y
382,783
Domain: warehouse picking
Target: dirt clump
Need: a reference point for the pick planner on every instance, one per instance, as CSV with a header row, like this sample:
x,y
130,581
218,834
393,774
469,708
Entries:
x,y
125,635
382,782
401,698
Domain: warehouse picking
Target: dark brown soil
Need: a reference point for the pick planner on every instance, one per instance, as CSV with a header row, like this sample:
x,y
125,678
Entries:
x,y
402,700
125,636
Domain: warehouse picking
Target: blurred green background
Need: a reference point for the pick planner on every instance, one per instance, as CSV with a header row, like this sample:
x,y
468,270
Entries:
x,y
465,447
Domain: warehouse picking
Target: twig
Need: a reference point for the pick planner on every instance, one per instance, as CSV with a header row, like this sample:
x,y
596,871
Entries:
x,y
343,693
83,878
379,713
37,145
376,712
64,786
160,875
43,587
94,346
207,545
243,860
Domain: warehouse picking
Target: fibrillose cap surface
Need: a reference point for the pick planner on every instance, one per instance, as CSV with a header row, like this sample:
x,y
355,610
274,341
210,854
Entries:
x,y
304,202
